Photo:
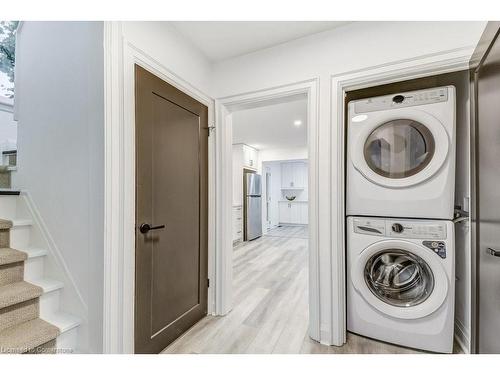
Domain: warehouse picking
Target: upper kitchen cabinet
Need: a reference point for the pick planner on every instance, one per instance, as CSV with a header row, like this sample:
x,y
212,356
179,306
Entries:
x,y
244,157
294,175
249,155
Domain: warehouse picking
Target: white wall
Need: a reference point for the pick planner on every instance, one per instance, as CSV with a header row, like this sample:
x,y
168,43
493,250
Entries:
x,y
163,43
274,154
348,48
59,89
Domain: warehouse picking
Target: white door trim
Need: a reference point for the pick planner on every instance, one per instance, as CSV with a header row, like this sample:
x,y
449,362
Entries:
x,y
428,65
119,233
224,251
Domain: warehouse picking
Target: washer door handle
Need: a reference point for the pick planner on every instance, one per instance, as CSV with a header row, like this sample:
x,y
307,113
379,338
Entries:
x,y
495,253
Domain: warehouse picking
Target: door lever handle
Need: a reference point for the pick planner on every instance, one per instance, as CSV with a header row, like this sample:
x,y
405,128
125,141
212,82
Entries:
x,y
495,253
145,227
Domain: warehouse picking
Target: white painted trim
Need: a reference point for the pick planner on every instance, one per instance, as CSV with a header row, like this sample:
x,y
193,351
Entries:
x,y
224,251
427,65
113,193
119,263
462,336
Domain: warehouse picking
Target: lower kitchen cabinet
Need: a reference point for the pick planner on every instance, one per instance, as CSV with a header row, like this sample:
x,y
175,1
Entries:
x,y
237,224
293,212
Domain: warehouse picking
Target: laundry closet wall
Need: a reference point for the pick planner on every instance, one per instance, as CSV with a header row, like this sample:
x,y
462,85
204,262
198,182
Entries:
x,y
348,48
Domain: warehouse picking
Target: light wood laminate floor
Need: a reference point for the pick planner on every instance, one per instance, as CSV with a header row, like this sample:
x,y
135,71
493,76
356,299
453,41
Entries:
x,y
270,305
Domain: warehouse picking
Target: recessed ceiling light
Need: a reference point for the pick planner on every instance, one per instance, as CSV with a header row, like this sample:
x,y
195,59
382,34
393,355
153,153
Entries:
x,y
359,118
297,123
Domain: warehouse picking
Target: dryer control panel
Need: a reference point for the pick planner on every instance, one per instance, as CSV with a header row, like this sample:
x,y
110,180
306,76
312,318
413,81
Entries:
x,y
422,229
402,100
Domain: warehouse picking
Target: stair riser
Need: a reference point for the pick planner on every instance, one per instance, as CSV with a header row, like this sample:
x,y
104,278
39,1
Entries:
x,y
33,268
11,273
67,341
8,205
4,238
49,303
20,237
19,313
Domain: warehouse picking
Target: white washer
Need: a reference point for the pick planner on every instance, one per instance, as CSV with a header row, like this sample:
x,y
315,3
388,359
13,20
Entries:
x,y
401,155
401,281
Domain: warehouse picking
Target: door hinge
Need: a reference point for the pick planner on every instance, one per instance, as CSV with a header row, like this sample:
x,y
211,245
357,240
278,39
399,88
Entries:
x,y
208,283
210,129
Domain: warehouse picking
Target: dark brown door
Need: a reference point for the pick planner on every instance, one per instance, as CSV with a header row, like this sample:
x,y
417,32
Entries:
x,y
486,213
171,212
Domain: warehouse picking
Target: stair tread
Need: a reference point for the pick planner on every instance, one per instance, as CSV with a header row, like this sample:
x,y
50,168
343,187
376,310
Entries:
x,y
48,285
21,291
21,222
63,321
26,336
5,224
6,191
8,256
34,252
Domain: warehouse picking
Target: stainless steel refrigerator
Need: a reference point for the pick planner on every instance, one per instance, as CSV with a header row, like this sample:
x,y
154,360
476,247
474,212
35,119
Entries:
x,y
252,189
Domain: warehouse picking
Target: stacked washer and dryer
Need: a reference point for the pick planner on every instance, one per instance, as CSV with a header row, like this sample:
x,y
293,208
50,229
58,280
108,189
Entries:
x,y
400,234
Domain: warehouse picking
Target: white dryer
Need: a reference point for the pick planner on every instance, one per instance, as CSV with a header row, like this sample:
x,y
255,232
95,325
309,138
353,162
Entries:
x,y
401,155
401,281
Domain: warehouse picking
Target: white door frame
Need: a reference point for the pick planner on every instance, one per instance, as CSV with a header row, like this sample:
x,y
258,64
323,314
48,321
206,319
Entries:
x,y
224,250
119,233
423,66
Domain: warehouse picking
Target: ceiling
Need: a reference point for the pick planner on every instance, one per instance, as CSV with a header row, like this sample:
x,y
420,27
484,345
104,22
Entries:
x,y
272,127
223,40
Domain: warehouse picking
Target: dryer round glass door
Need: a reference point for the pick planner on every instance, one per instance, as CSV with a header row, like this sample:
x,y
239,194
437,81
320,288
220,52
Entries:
x,y
399,278
399,148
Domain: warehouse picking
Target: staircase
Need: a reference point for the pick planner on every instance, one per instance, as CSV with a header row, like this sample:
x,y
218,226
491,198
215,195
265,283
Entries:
x,y
30,316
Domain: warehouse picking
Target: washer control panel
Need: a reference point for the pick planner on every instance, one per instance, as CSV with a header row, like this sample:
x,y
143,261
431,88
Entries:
x,y
439,247
413,229
425,230
402,100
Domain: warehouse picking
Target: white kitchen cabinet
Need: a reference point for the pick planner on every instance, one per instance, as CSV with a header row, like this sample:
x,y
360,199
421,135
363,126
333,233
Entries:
x,y
285,212
249,157
304,213
293,175
244,157
237,224
293,212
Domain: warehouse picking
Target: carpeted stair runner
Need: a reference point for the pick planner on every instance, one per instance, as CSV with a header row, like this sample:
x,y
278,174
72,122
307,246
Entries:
x,y
21,329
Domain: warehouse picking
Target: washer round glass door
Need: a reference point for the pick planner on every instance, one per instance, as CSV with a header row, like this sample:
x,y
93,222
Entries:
x,y
399,148
399,277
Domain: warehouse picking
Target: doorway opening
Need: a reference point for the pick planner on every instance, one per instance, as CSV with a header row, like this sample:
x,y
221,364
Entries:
x,y
266,271
270,224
